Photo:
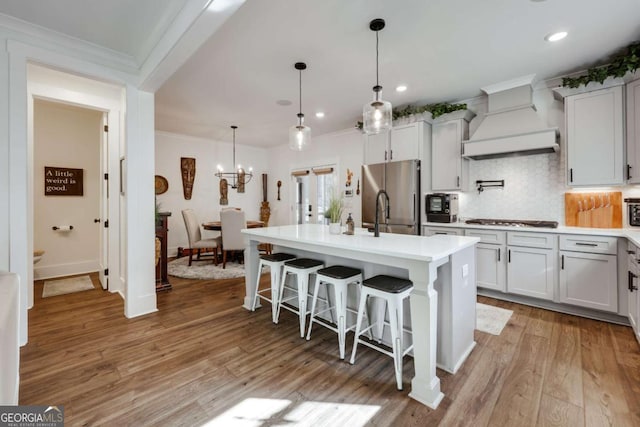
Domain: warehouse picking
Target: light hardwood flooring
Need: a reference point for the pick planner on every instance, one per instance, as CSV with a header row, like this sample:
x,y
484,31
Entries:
x,y
203,358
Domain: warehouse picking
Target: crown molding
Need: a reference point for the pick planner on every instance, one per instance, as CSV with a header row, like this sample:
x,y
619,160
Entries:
x,y
19,30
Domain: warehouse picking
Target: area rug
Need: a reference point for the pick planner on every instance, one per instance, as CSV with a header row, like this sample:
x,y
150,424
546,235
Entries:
x,y
66,286
204,269
491,319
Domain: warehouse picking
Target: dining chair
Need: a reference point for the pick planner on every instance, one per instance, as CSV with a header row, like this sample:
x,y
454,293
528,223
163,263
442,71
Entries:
x,y
231,222
196,242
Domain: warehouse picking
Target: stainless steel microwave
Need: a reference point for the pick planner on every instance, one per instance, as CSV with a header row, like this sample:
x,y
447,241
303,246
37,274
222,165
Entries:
x,y
442,207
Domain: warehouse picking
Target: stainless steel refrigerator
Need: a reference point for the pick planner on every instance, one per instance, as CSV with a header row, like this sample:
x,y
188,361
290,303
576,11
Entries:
x,y
401,181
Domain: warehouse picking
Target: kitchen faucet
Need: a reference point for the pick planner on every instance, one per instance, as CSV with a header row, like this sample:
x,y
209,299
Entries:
x,y
376,228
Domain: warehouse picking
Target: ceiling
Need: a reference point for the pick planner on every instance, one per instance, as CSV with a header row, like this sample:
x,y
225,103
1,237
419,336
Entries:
x,y
443,50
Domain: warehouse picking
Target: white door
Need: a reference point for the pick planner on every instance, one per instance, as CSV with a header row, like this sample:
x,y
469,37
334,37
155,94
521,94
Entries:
x,y
589,280
634,298
490,267
313,191
104,206
530,271
406,141
375,148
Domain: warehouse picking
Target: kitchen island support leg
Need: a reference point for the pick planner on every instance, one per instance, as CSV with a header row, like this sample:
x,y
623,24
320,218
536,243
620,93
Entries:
x,y
425,386
251,261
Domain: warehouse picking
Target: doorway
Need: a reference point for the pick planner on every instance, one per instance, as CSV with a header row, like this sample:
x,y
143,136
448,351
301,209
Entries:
x,y
313,189
69,196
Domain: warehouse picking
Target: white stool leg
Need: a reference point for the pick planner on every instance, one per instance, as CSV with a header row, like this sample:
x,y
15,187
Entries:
x,y
340,292
397,352
283,279
314,300
275,291
255,294
303,289
362,306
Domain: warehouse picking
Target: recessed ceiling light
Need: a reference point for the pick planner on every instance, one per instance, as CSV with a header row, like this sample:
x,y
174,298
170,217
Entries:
x,y
401,88
554,37
319,114
283,102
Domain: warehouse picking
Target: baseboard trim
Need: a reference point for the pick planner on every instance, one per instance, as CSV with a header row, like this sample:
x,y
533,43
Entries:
x,y
60,270
561,308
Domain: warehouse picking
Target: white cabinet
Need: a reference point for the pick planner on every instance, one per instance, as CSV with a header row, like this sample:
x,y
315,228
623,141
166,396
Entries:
x,y
432,231
449,170
633,132
491,256
588,272
404,142
595,137
633,294
531,264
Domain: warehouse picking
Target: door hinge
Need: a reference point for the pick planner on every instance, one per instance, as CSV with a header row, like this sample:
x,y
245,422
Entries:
x,y
106,271
106,224
106,176
106,128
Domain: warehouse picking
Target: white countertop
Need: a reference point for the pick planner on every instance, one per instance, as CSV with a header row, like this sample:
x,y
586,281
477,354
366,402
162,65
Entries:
x,y
420,248
633,234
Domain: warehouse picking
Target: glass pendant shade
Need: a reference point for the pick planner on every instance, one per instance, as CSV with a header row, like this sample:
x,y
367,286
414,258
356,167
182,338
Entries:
x,y
376,116
299,137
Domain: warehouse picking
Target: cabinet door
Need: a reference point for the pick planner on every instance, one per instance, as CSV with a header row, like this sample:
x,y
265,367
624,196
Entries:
x,y
446,160
633,132
490,267
375,148
634,298
406,141
589,280
531,272
595,138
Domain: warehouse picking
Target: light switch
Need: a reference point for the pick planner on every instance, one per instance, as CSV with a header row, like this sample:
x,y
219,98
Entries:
x,y
465,270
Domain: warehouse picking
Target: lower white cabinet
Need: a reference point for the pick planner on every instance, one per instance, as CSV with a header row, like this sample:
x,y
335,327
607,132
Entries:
x,y
589,272
633,283
589,280
531,271
432,231
490,267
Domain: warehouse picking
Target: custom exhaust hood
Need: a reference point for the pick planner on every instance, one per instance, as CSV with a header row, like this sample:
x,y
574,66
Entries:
x,y
512,126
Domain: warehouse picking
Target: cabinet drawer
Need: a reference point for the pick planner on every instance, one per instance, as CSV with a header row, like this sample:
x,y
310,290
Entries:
x,y
531,240
591,244
488,236
431,231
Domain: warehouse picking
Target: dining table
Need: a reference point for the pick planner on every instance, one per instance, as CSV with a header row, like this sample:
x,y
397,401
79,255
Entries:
x,y
217,225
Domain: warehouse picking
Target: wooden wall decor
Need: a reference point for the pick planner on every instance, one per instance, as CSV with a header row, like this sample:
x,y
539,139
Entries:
x,y
279,185
188,168
265,210
241,180
224,191
63,181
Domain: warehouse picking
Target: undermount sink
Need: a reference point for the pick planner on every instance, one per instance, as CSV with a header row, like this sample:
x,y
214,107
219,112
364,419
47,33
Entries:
x,y
513,222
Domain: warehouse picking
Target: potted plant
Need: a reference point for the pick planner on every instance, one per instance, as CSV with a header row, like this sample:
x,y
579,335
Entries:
x,y
334,214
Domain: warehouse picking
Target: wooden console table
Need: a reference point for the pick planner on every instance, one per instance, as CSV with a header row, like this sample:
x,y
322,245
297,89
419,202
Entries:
x,y
162,278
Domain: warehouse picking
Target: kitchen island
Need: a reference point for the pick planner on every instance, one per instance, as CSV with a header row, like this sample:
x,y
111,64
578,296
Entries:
x,y
449,260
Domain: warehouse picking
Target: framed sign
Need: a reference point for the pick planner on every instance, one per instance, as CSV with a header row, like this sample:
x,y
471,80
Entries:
x,y
63,181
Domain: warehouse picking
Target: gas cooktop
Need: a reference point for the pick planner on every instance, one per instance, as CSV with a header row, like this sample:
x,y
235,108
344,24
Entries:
x,y
513,222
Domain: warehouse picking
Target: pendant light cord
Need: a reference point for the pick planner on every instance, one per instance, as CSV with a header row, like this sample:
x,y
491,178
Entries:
x,y
377,79
300,110
234,156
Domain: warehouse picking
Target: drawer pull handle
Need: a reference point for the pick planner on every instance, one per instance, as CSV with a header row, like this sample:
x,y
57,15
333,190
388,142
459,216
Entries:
x,y
631,286
631,252
562,262
586,244
439,232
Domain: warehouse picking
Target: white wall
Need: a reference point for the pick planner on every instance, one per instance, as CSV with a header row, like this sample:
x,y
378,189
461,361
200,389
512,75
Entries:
x,y
345,149
67,136
205,198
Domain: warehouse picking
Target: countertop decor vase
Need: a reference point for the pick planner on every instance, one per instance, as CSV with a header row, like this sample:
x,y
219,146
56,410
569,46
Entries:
x,y
334,228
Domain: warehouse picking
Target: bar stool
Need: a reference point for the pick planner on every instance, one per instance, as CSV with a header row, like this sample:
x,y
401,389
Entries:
x,y
302,268
275,262
393,291
340,277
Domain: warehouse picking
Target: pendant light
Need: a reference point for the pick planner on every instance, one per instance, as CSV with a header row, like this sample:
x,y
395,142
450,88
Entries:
x,y
239,177
300,135
376,115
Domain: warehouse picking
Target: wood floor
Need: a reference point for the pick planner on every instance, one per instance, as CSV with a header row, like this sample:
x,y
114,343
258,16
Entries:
x,y
202,358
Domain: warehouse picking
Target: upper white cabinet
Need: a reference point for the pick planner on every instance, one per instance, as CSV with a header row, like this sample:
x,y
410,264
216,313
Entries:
x,y
633,132
449,170
595,137
404,142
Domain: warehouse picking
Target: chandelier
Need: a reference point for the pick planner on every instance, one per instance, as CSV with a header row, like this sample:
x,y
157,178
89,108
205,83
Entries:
x,y
376,115
239,177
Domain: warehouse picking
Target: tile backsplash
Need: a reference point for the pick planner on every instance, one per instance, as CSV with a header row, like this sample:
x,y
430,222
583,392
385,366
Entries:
x,y
533,188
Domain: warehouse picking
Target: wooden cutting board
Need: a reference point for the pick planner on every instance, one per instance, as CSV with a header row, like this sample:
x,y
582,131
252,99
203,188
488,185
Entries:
x,y
595,210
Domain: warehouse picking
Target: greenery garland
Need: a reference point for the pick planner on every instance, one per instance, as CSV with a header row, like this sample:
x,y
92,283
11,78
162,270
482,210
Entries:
x,y
629,61
436,110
